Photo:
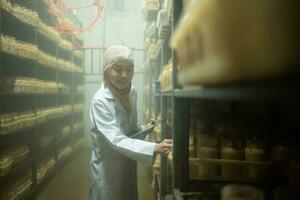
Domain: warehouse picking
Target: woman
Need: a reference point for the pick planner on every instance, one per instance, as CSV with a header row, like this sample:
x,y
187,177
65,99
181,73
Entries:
x,y
113,117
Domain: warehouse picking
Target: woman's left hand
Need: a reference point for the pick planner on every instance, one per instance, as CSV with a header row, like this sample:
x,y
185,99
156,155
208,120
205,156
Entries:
x,y
165,147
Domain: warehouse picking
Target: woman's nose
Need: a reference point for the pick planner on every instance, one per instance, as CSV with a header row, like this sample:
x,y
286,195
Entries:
x,y
124,74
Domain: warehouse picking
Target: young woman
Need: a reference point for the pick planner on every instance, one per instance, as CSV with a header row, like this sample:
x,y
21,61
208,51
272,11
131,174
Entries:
x,y
113,116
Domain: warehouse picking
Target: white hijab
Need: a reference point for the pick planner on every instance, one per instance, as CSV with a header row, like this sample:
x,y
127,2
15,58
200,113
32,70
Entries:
x,y
111,56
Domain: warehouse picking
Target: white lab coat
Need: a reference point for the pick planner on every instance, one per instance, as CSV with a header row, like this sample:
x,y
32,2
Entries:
x,y
114,154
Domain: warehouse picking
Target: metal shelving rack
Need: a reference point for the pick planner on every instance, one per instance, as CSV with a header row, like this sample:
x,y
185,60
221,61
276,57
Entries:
x,y
273,93
34,101
159,104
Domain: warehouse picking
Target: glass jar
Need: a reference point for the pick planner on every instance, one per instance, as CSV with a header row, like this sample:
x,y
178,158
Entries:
x,y
207,170
255,150
281,152
231,150
206,140
207,148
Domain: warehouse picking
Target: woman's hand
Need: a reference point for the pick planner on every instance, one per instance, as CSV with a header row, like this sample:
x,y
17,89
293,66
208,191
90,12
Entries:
x,y
165,147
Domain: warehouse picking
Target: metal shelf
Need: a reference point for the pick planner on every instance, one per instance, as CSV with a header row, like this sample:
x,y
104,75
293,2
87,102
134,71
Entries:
x,y
156,56
47,44
32,194
151,15
186,195
158,181
31,93
29,160
249,93
167,93
14,65
23,58
18,166
38,93
16,21
53,145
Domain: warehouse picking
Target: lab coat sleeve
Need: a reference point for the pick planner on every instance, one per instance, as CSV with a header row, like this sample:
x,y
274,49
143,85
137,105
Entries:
x,y
106,124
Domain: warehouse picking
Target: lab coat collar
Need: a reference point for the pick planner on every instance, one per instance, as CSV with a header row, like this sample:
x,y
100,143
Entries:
x,y
107,93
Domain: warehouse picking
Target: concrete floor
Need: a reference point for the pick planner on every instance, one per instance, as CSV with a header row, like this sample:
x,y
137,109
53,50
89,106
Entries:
x,y
73,180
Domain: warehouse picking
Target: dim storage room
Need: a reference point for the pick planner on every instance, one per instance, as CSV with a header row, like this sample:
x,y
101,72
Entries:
x,y
149,100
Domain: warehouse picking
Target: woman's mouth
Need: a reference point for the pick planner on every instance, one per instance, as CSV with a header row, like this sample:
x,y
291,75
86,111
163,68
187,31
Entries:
x,y
122,82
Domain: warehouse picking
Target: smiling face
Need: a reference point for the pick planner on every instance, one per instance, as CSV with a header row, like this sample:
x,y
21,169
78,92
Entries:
x,y
121,73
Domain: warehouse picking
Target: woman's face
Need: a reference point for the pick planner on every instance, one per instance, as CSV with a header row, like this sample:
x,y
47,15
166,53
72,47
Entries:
x,y
121,73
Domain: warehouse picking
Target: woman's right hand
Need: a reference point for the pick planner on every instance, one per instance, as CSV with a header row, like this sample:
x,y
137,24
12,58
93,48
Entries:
x,y
165,147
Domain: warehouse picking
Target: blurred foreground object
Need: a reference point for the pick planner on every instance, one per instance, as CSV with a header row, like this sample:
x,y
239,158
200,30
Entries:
x,y
219,42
